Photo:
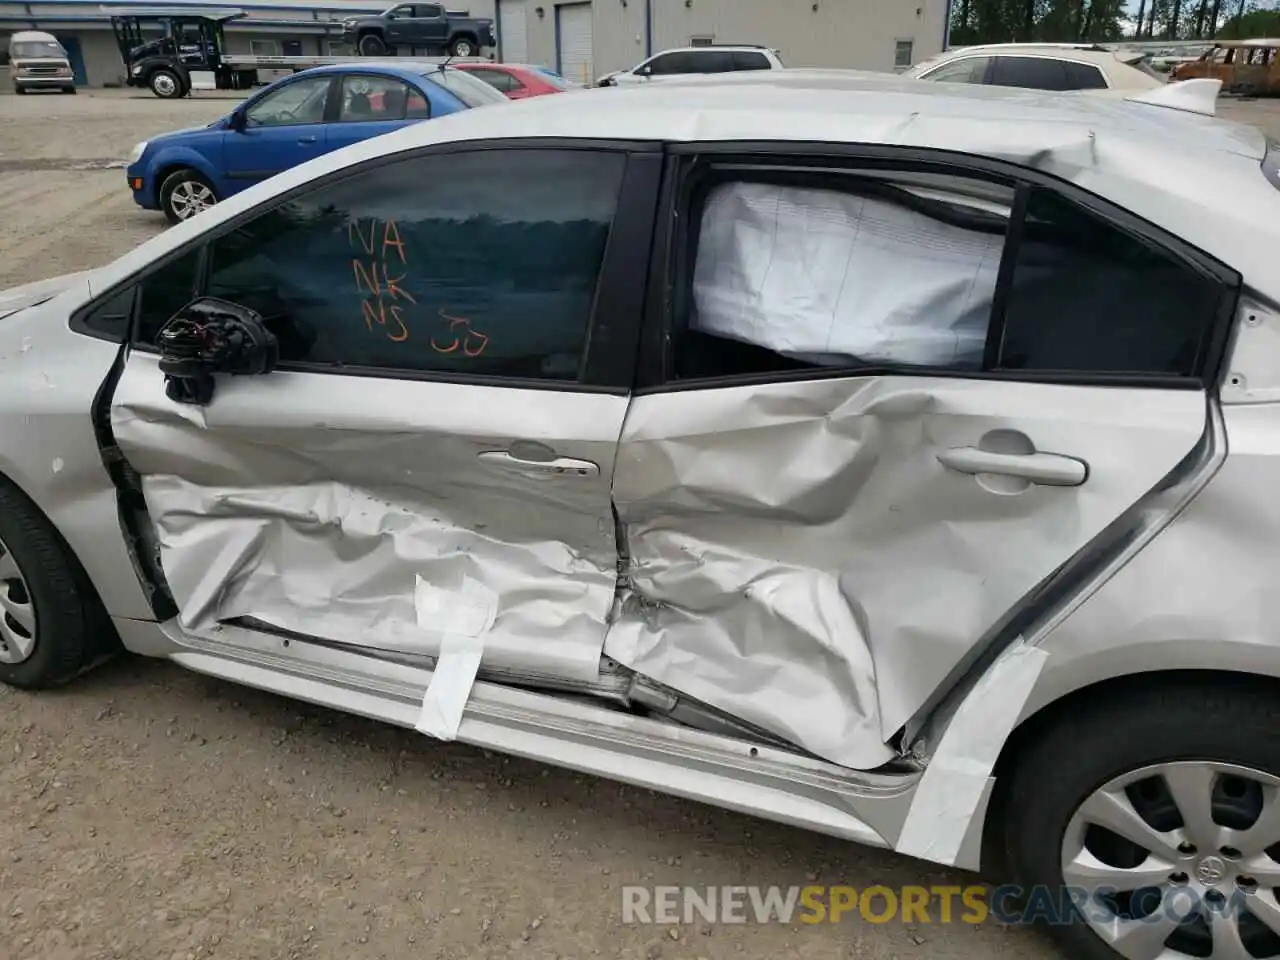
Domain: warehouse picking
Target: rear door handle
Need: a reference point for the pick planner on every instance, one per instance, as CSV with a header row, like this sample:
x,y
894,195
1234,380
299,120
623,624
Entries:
x,y
556,467
1046,469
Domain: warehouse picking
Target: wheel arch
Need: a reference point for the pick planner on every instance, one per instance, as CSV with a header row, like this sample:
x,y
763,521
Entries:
x,y
1034,724
170,164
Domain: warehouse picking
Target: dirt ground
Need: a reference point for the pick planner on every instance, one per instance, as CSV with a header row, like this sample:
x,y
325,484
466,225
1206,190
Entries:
x,y
151,814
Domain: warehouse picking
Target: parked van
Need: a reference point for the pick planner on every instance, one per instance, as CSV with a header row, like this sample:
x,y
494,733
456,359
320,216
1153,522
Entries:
x,y
37,61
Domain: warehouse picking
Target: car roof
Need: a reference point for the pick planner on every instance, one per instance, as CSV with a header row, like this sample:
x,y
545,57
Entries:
x,y
718,48
1195,175
1087,53
399,66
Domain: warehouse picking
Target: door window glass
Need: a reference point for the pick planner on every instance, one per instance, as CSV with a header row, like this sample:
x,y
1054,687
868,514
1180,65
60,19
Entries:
x,y
670,63
1089,297
430,11
750,60
366,98
713,61
903,273
965,70
1083,76
1036,73
422,265
164,293
300,101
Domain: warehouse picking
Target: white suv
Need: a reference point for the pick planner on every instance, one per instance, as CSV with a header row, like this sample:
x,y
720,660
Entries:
x,y
705,59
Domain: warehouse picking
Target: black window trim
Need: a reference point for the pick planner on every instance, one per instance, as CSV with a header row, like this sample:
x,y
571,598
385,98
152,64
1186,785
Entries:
x,y
609,349
655,375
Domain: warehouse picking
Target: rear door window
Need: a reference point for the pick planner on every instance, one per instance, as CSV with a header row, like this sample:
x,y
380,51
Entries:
x,y
714,61
966,70
1083,76
750,60
1035,73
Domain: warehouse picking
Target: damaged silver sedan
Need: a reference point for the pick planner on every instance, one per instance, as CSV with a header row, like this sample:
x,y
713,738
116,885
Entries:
x,y
892,459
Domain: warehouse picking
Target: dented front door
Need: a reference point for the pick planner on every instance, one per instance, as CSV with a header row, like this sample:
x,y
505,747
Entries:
x,y
434,438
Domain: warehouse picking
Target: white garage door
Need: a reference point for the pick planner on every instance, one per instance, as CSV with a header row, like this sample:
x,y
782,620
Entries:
x,y
513,32
573,36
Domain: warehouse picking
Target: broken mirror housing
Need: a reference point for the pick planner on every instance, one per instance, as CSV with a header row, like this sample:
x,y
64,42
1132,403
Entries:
x,y
211,336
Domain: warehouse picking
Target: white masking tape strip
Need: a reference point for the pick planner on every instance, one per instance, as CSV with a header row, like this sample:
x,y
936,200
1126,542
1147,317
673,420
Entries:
x,y
464,616
950,790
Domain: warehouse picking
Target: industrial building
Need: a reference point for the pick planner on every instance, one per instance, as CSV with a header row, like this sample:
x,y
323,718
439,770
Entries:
x,y
582,39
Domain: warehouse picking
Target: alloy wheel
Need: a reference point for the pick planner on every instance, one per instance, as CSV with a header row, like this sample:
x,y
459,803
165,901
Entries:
x,y
190,197
17,615
1179,860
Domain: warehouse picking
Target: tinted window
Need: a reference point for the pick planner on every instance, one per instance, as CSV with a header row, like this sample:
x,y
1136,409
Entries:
x,y
110,319
668,63
423,265
1084,76
743,60
430,10
367,98
1037,73
713,61
966,70
1089,297
301,101
164,293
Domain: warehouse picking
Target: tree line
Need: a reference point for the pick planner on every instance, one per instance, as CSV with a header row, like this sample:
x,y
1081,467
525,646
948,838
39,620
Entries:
x,y
1033,21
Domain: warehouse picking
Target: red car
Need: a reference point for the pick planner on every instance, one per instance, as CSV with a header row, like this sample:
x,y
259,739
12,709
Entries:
x,y
517,80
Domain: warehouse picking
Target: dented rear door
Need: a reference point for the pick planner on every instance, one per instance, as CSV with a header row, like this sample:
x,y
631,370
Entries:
x,y
882,404
441,431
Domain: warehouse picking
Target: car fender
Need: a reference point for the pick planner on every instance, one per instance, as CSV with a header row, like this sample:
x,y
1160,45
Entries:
x,y
171,157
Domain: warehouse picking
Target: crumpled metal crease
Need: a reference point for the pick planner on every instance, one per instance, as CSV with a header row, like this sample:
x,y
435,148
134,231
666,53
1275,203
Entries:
x,y
806,563
338,523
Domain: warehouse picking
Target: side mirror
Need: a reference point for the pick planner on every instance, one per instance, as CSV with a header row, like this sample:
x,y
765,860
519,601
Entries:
x,y
210,336
238,121
645,71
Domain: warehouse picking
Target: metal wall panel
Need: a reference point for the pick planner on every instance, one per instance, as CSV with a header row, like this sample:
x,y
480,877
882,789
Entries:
x,y
574,44
513,31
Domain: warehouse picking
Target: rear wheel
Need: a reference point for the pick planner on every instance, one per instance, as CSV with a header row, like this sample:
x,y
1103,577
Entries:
x,y
372,45
52,627
463,47
165,84
185,193
1152,820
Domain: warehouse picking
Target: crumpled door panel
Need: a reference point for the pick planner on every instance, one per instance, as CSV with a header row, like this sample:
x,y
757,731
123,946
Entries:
x,y
802,560
315,502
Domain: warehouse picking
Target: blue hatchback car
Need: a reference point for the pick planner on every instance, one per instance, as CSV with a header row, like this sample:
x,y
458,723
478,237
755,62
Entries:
x,y
291,121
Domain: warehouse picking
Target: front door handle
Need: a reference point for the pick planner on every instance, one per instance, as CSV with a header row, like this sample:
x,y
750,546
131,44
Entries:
x,y
555,467
1046,469
306,139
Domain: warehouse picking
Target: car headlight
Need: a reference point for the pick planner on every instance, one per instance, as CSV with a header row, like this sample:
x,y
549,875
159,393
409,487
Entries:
x,y
136,153
136,71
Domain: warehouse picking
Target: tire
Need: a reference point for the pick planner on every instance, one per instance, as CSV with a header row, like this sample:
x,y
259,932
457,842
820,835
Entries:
x,y
71,631
166,84
71,90
1151,737
371,45
463,47
21,91
185,184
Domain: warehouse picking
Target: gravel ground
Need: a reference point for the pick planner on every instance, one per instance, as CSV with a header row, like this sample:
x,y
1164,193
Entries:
x,y
151,813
